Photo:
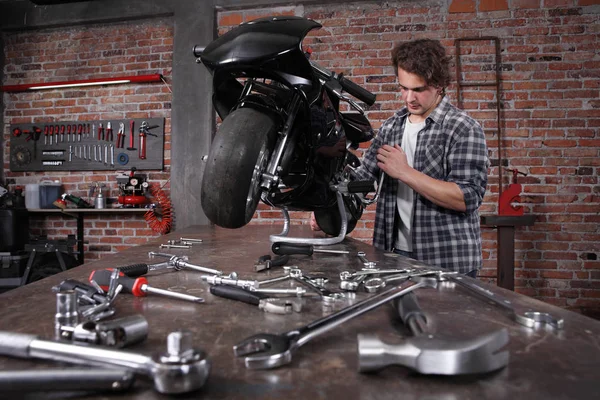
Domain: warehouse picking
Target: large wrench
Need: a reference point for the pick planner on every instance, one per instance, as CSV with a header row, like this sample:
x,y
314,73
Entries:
x,y
530,319
183,369
265,350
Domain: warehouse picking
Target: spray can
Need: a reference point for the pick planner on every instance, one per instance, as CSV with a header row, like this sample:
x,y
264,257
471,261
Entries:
x,y
100,201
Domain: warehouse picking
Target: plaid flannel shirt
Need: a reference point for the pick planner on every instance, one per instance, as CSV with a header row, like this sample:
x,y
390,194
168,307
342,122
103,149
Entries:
x,y
451,148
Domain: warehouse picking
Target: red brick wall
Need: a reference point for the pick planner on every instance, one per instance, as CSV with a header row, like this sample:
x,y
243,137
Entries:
x,y
88,52
550,117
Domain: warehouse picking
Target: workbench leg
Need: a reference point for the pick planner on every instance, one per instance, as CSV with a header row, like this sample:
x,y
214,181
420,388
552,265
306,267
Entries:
x,y
506,257
80,238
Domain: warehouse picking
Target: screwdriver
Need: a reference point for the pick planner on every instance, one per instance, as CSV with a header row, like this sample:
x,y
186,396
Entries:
x,y
281,248
137,286
135,270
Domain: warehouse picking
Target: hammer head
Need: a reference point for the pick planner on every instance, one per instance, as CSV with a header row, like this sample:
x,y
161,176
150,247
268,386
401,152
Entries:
x,y
431,355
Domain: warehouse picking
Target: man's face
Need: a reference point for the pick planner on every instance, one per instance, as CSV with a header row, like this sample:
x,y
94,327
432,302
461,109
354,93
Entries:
x,y
419,98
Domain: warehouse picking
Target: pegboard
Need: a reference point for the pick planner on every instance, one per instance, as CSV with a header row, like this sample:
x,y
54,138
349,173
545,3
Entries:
x,y
83,146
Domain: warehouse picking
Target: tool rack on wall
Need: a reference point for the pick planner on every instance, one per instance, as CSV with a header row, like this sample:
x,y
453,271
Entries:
x,y
88,145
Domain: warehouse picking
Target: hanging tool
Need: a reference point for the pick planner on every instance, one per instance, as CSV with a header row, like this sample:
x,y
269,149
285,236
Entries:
x,y
431,355
79,132
131,136
68,133
144,132
121,136
281,248
109,132
138,286
17,132
62,133
46,131
56,133
100,131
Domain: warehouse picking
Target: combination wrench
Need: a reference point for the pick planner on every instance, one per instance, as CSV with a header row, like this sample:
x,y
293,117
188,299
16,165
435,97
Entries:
x,y
266,351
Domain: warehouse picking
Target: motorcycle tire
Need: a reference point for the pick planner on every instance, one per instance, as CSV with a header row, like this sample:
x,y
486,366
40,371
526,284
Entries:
x,y
239,155
330,222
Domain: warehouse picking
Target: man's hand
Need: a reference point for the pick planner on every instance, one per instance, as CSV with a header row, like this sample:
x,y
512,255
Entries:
x,y
392,161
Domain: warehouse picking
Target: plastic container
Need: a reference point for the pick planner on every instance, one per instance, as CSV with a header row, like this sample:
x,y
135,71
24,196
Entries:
x,y
49,193
32,195
14,229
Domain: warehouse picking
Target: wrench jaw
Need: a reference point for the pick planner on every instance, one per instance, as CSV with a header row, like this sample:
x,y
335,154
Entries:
x,y
180,377
535,319
265,351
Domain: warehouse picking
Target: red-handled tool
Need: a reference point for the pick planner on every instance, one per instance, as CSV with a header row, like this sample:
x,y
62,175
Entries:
x,y
100,132
46,131
136,286
131,136
62,134
121,136
79,131
68,133
109,132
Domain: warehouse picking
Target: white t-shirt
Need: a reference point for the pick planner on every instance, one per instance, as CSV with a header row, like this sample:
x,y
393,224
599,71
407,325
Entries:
x,y
405,193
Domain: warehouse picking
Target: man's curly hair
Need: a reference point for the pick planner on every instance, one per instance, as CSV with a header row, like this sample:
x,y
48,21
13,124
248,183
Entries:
x,y
425,58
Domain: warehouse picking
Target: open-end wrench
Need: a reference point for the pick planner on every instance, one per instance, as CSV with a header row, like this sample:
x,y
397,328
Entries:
x,y
325,293
182,369
530,319
266,350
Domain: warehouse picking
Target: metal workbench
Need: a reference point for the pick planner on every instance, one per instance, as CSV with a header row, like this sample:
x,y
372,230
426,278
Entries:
x,y
543,363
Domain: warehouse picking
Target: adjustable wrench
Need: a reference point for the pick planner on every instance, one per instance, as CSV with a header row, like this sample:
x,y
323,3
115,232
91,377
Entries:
x,y
266,351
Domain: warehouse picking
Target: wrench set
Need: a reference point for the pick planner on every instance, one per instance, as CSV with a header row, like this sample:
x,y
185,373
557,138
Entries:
x,y
88,145
85,336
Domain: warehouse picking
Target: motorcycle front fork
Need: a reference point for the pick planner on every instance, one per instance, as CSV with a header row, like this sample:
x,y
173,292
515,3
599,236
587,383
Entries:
x,y
270,176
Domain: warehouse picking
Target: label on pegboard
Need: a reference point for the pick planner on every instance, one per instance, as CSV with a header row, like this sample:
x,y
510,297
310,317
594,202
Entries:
x,y
106,145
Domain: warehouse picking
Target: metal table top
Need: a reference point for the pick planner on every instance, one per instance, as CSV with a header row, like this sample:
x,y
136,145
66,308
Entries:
x,y
544,363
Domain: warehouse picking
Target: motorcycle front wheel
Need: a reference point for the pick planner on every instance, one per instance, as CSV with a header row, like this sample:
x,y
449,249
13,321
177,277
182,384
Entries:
x,y
238,157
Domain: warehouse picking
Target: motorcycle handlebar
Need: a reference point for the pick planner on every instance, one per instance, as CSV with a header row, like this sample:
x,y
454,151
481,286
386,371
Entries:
x,y
349,86
197,50
357,91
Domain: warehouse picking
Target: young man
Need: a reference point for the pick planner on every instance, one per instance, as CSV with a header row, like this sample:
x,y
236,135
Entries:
x,y
435,159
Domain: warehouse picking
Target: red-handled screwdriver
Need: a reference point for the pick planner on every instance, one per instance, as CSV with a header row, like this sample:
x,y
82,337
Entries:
x,y
137,286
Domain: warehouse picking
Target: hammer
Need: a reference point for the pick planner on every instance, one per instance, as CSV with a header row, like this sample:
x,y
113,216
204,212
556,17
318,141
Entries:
x,y
433,355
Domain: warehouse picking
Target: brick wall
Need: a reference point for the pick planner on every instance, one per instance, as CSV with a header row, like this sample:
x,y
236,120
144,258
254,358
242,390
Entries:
x,y
89,52
550,116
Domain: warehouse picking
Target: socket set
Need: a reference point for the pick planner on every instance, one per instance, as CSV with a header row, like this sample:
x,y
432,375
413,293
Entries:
x,y
88,145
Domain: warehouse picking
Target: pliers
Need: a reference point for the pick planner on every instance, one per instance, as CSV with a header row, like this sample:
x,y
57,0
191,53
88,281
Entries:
x,y
109,132
121,136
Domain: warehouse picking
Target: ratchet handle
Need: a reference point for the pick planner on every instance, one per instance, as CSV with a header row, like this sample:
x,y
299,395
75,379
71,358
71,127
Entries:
x,y
237,293
281,248
134,270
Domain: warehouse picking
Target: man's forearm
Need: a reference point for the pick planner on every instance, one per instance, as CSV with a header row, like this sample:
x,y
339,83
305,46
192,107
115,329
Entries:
x,y
444,194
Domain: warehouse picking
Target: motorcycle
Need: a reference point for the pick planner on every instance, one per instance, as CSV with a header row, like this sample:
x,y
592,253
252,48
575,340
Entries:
x,y
283,139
